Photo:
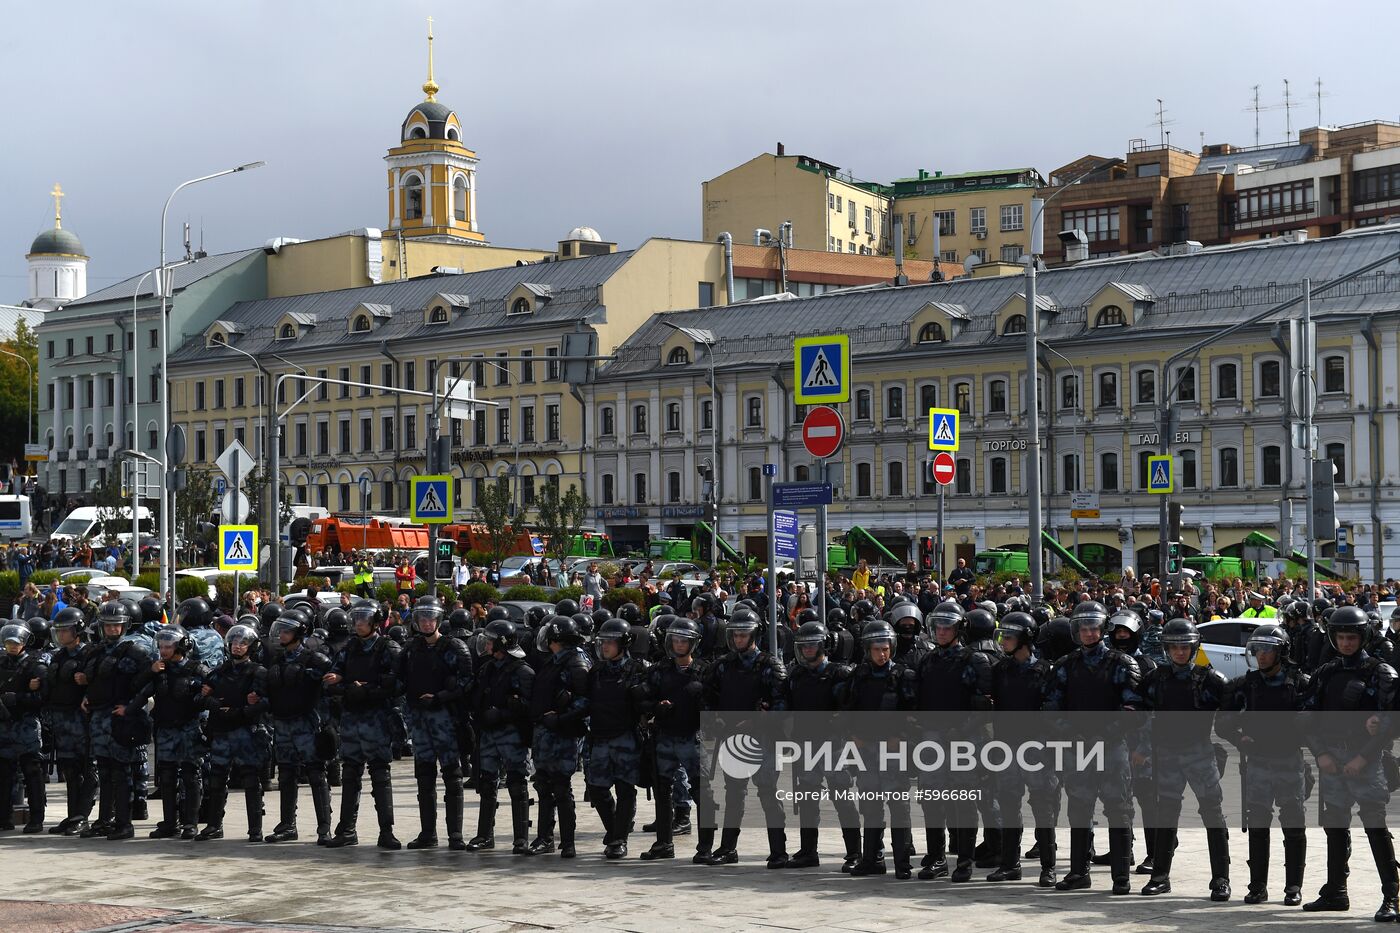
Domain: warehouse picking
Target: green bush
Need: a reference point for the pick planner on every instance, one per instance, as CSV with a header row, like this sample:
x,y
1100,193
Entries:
x,y
477,558
9,586
568,592
190,587
301,583
41,577
480,593
80,579
223,585
347,586
386,593
524,592
444,591
612,599
148,579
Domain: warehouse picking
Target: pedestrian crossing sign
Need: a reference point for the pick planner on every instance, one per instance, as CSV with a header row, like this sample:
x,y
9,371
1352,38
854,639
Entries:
x,y
238,547
942,429
822,369
1159,474
431,498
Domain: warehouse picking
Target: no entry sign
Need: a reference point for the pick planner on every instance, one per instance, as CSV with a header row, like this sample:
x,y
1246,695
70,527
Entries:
x,y
944,470
822,431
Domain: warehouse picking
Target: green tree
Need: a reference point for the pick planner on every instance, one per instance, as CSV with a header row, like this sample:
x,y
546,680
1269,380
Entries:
x,y
18,384
255,488
560,518
196,502
494,504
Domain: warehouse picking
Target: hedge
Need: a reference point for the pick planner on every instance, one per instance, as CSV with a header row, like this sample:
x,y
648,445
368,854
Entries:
x,y
568,592
9,586
148,579
40,577
480,593
190,588
614,598
524,592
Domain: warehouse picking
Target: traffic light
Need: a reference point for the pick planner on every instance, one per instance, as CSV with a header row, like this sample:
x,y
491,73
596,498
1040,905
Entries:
x,y
1324,499
1174,511
1173,558
926,553
443,570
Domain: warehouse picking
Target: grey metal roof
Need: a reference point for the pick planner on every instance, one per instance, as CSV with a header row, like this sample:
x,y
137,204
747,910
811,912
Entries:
x,y
574,282
1195,292
182,276
233,327
1133,291
11,315
377,309
1272,156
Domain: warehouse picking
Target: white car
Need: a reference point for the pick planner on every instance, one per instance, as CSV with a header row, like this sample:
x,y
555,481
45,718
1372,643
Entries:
x,y
1224,640
209,573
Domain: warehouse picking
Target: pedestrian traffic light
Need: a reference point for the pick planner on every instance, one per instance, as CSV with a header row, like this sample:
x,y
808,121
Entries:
x,y
443,569
1324,499
1173,558
1174,511
925,553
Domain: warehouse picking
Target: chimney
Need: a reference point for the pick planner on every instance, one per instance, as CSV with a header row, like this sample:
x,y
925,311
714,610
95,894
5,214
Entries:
x,y
1076,245
899,277
781,150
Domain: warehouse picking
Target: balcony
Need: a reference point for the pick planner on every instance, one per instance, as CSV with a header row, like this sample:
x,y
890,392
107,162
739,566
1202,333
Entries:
x,y
1282,210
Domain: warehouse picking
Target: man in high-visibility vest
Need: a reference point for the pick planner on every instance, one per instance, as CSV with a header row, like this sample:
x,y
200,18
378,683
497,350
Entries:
x,y
364,575
1257,608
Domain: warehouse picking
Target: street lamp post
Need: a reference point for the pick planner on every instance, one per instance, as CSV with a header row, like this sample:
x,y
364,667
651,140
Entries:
x,y
707,339
167,502
1078,448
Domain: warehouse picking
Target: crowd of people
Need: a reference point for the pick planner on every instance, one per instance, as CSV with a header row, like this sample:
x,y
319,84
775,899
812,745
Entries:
x,y
486,697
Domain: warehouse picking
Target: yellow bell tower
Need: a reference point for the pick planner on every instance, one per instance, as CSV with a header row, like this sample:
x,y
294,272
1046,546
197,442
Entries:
x,y
432,176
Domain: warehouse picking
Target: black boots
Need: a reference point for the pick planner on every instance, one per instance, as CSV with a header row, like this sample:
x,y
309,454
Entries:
x,y
704,843
1295,854
850,835
806,855
520,816
286,828
485,837
777,848
425,775
253,803
1218,842
1258,891
623,816
1165,850
1009,868
454,804
1333,895
1078,877
384,806
1045,847
1383,851
352,783
872,856
728,852
902,846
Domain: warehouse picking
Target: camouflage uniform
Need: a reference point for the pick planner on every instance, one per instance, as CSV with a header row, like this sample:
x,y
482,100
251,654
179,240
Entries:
x,y
614,754
500,700
559,707
434,677
237,739
180,745
366,727
19,732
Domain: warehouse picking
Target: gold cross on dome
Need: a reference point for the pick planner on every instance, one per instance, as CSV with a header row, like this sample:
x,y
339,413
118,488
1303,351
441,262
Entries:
x,y
57,193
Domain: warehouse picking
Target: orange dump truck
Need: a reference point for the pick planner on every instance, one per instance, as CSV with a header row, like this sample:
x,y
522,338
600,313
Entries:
x,y
344,533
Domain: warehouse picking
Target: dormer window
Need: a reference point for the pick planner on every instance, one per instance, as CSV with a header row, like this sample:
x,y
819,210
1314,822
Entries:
x,y
360,325
520,306
1016,324
288,331
678,357
438,315
1110,316
418,133
218,339
932,332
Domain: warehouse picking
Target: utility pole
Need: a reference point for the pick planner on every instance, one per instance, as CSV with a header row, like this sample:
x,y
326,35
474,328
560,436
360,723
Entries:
x,y
1308,397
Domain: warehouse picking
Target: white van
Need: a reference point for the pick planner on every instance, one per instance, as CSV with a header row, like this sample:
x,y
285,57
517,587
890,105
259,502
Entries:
x,y
83,523
16,522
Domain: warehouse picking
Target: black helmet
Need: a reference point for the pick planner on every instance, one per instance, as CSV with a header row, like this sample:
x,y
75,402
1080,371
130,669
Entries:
x,y
874,632
1126,619
427,607
810,634
628,612
269,613
500,636
616,630
316,641
685,628
807,615
1298,609
70,618
1321,605
702,603
1180,632
116,612
566,607
366,610
150,608
337,620
459,620
1041,614
193,613
584,621
1346,620
947,614
836,618
294,621
1267,637
398,634
534,615
38,632
1089,612
905,619
561,629
15,633
1018,625
746,603
497,612
241,635
176,637
863,609
599,616
743,622
979,625
1055,639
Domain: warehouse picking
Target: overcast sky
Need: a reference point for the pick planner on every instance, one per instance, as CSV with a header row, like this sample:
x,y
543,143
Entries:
x,y
611,114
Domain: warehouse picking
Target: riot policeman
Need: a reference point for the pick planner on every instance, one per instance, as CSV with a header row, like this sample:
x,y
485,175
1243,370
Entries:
x,y
501,697
24,681
196,617
614,756
558,710
67,721
236,698
117,728
175,681
295,687
435,674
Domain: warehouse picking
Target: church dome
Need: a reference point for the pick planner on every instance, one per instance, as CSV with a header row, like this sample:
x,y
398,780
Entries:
x,y
441,122
57,242
584,233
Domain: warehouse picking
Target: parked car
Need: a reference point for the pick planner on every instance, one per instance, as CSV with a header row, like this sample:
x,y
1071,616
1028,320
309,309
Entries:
x,y
524,569
1223,642
209,573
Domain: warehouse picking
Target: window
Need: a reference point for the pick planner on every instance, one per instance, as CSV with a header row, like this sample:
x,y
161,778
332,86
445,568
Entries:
x,y
321,388
1188,470
1012,253
1271,466
673,417
997,478
366,380
551,427
366,435
527,424
1149,169
50,349
323,438
1110,316
1146,381
894,479
1270,379
830,201
869,222
677,357
928,398
605,422
551,366
996,397
1227,381
459,199
527,366
199,396
386,377
1229,475
838,204
88,344
479,371
111,343
1375,184
361,324
410,375
862,404
152,439
707,415
1108,390
1108,472
413,198
639,419
639,488
707,295
894,402
608,497
962,397
1069,392
962,483
1186,385
754,406
198,445
932,332
673,486
1016,324
863,483
1293,197
1099,224
1142,467
344,376
300,439
1337,453
438,315
1012,217
503,425
1069,473
1334,374
386,432
947,222
479,428
755,484
978,220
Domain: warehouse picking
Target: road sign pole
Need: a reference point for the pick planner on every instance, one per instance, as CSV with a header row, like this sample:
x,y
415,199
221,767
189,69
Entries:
x,y
1309,450
938,545
236,518
772,568
821,546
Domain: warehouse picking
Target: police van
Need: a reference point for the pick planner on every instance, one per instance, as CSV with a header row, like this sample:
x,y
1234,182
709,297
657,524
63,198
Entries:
x,y
16,521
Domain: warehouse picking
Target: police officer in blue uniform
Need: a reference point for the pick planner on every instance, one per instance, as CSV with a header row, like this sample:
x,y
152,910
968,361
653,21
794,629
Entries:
x,y
501,707
613,750
68,722
24,682
295,688
235,697
175,681
110,677
558,711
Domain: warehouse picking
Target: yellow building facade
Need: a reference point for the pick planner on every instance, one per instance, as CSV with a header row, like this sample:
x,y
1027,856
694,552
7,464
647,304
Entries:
x,y
986,215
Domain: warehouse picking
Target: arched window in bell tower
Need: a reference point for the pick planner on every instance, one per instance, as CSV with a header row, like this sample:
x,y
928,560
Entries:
x,y
413,198
459,199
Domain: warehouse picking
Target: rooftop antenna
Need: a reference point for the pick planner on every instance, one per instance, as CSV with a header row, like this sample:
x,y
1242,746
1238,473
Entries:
x,y
187,240
1317,96
1287,112
1162,124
